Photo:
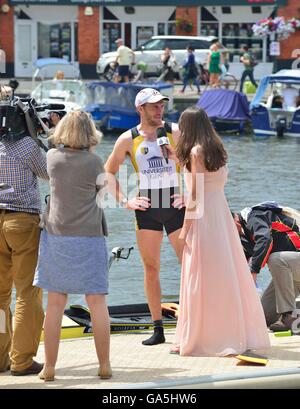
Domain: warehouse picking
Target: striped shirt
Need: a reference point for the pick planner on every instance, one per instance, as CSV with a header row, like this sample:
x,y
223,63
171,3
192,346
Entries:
x,y
21,163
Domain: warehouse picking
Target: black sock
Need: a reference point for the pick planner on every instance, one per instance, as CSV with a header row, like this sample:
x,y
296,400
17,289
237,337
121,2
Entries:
x,y
158,335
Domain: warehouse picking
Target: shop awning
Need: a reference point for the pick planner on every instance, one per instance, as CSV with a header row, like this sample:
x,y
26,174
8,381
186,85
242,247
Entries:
x,y
155,2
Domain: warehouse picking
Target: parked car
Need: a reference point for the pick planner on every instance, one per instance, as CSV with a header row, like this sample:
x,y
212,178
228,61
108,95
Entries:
x,y
150,52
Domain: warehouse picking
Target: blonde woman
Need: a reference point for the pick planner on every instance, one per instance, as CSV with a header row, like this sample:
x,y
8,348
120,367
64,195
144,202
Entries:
x,y
214,62
73,254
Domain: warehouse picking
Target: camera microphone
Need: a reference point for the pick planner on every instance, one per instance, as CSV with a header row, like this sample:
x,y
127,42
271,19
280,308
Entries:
x,y
50,107
162,141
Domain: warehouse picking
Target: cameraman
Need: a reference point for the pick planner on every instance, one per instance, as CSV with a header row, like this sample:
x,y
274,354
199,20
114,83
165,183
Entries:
x,y
21,163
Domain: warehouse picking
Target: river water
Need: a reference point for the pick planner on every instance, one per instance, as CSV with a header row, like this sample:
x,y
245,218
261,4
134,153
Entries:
x,y
259,170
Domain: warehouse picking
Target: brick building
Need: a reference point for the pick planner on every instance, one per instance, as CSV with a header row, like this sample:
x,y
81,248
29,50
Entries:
x,y
80,30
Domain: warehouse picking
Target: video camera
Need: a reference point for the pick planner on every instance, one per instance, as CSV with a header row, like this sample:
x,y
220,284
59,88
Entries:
x,y
20,117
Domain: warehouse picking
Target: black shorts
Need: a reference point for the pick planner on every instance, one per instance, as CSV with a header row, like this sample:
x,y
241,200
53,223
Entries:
x,y
123,70
157,219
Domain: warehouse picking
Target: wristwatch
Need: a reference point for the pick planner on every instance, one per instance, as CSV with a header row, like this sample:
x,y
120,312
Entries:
x,y
124,202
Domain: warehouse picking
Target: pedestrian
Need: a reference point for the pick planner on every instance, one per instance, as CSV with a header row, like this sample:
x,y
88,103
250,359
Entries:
x,y
191,72
220,310
169,62
125,57
21,163
290,95
73,255
270,235
249,64
214,63
158,204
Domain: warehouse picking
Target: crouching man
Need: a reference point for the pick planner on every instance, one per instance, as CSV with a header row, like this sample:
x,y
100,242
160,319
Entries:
x,y
270,235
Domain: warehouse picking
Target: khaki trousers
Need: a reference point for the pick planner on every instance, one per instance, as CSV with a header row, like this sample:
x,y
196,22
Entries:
x,y
19,241
280,295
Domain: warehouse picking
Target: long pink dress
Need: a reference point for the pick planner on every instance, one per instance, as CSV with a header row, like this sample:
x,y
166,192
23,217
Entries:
x,y
220,310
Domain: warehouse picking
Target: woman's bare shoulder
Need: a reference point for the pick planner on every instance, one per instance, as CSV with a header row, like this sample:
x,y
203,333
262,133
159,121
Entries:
x,y
197,157
197,151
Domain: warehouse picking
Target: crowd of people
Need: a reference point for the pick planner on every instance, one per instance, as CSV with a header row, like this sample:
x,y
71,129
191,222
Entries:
x,y
65,252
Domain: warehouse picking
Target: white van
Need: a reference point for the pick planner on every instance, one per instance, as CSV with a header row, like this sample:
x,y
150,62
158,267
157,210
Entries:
x,y
151,51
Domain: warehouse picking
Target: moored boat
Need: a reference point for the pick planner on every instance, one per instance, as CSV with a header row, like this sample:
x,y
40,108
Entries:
x,y
274,115
227,109
112,105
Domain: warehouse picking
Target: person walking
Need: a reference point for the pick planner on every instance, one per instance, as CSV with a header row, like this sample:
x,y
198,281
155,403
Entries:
x,y
168,60
249,64
73,256
214,62
21,163
191,70
125,57
158,205
220,310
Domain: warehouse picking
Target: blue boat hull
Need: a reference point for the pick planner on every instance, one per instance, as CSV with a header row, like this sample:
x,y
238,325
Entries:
x,y
227,109
260,117
120,120
230,127
112,106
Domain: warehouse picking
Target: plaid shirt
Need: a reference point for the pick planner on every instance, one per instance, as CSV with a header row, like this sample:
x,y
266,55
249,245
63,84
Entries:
x,y
21,162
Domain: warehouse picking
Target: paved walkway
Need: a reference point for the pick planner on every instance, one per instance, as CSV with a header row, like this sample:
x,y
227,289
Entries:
x,y
138,366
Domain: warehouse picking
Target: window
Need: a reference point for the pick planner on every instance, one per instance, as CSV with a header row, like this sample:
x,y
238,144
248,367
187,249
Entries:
x,y
55,40
176,44
161,29
200,44
111,32
237,35
209,29
143,34
154,45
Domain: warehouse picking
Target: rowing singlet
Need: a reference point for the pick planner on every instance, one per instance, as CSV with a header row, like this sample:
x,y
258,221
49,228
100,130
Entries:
x,y
153,172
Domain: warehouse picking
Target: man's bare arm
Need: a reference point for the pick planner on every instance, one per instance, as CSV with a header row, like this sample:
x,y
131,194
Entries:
x,y
115,160
113,163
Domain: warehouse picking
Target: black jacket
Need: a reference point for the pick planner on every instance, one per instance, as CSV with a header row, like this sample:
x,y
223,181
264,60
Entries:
x,y
268,231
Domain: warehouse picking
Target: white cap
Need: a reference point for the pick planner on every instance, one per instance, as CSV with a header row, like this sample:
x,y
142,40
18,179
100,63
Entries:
x,y
150,96
119,40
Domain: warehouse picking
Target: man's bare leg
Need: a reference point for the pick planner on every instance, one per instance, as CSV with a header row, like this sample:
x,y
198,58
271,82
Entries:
x,y
149,242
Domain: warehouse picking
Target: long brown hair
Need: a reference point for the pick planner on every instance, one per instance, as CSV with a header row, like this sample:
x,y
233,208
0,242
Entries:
x,y
196,129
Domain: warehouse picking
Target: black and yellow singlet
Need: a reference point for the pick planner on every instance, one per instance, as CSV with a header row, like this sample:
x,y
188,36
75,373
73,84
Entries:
x,y
157,180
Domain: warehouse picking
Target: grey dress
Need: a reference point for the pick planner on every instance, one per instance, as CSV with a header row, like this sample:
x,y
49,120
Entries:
x,y
73,255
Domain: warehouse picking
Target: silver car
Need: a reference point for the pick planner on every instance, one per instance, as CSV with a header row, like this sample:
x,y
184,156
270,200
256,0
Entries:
x,y
151,51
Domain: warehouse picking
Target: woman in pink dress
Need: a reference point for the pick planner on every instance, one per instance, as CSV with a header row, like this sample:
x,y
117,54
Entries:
x,y
220,310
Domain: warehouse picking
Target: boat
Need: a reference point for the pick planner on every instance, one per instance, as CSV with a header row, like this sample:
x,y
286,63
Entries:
x,y
48,67
69,92
112,105
227,109
128,318
272,116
